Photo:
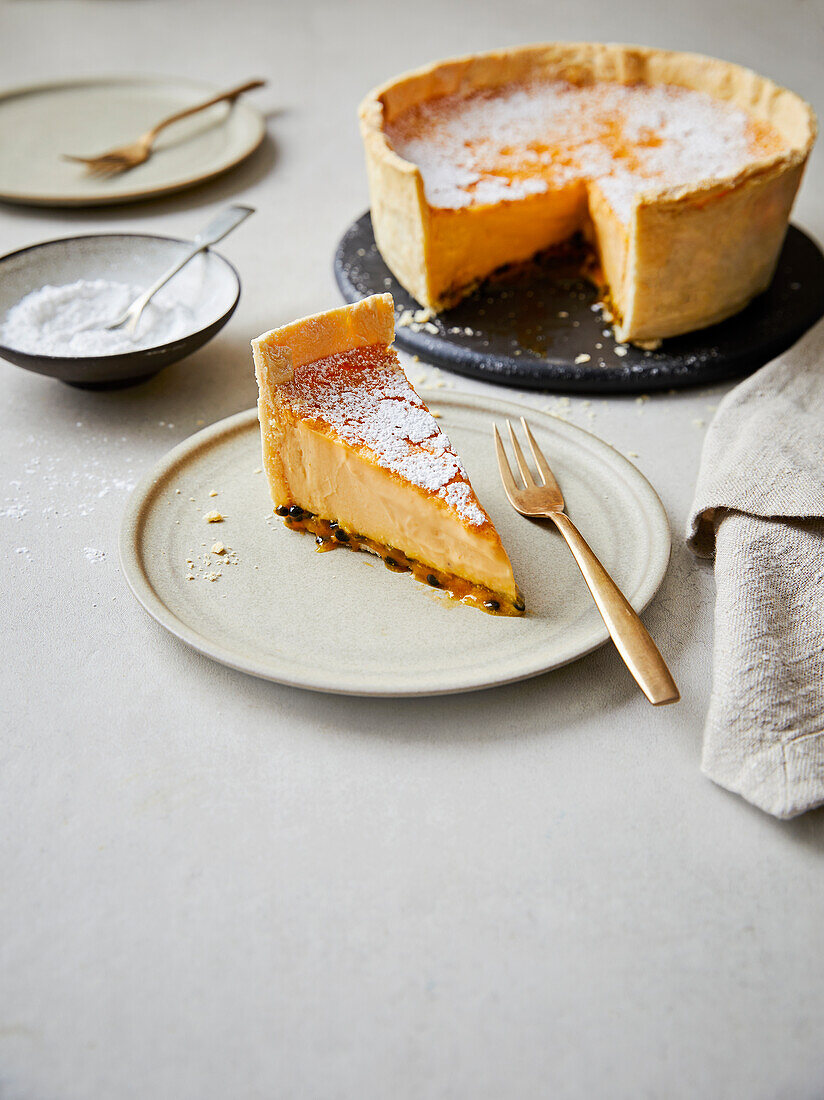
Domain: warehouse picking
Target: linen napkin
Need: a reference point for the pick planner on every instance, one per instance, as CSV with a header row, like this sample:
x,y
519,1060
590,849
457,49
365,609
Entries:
x,y
759,509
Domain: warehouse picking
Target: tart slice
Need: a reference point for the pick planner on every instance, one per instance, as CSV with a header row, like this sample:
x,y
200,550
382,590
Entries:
x,y
354,456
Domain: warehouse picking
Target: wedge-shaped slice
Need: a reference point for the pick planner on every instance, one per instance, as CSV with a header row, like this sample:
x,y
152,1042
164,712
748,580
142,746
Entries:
x,y
353,455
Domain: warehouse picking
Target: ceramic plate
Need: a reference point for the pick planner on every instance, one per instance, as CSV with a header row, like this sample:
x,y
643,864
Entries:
x,y
340,621
87,117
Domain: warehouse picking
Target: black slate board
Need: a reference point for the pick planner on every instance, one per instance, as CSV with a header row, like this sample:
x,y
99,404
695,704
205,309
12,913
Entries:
x,y
519,335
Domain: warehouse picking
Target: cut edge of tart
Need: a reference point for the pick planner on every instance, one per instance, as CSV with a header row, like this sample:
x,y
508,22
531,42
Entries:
x,y
354,456
686,257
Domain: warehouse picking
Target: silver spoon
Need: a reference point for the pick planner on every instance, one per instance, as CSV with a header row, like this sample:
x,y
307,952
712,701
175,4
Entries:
x,y
218,228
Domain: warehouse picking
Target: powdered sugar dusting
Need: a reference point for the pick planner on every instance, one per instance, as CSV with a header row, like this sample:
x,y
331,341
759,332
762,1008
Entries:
x,y
516,140
365,398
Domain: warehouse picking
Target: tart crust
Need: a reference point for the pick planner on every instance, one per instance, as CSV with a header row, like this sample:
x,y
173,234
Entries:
x,y
689,256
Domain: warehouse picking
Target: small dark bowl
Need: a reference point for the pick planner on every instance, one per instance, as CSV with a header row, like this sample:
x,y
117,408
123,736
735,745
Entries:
x,y
133,258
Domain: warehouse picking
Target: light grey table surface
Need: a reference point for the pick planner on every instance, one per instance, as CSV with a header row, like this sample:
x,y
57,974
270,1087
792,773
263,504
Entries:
x,y
212,886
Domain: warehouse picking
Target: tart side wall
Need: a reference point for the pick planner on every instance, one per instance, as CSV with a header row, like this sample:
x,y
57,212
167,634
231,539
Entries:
x,y
696,261
400,212
370,321
270,370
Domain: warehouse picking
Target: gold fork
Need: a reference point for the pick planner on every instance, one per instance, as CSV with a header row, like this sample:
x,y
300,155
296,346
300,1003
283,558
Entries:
x,y
125,157
546,501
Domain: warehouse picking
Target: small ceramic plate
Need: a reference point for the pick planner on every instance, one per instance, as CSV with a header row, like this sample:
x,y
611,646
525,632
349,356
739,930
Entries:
x,y
87,117
340,621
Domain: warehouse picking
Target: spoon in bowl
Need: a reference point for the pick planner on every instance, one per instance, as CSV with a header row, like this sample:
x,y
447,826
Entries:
x,y
218,228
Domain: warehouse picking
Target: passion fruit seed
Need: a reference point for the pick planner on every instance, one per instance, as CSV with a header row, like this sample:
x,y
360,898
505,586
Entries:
x,y
341,536
519,605
296,512
391,563
492,605
320,540
433,580
282,510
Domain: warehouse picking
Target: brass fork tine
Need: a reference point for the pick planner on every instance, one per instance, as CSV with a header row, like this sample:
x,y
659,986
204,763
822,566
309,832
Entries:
x,y
526,473
540,461
510,488
94,164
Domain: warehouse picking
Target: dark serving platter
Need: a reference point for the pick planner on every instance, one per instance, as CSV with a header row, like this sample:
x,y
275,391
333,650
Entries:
x,y
528,329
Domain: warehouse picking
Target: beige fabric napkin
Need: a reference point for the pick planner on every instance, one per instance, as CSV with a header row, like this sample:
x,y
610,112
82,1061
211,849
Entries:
x,y
759,509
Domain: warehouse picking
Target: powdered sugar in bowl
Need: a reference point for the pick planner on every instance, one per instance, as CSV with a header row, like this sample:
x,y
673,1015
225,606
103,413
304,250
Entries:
x,y
55,298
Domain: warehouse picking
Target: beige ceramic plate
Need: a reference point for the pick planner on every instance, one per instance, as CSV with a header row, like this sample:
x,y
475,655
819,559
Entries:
x,y
341,621
87,117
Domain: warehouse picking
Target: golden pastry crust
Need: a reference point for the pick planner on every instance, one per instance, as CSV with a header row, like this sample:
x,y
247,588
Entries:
x,y
371,321
688,257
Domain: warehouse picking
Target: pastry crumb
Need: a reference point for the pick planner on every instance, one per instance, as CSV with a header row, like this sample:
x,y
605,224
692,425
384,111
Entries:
x,y
257,470
213,493
420,319
582,358
211,564
213,517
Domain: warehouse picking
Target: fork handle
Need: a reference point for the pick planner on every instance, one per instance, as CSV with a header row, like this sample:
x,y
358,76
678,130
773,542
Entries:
x,y
631,638
232,93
